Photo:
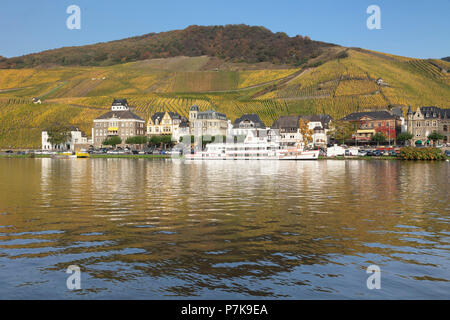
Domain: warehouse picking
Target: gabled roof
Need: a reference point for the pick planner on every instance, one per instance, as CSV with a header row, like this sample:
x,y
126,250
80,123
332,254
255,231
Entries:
x,y
160,115
286,122
211,114
251,118
435,112
375,115
325,119
397,111
120,102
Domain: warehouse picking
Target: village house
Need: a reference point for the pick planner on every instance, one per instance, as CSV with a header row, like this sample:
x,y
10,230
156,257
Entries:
x,y
425,121
208,122
167,123
36,100
120,121
371,122
320,125
246,123
288,130
77,140
181,130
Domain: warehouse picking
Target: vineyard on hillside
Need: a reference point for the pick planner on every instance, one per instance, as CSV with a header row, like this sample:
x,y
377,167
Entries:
x,y
338,87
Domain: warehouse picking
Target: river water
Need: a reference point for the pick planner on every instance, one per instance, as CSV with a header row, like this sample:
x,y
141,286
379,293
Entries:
x,y
163,229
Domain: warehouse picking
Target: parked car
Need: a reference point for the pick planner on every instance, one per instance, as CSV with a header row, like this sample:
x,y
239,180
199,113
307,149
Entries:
x,y
447,153
377,153
362,153
393,153
369,153
135,152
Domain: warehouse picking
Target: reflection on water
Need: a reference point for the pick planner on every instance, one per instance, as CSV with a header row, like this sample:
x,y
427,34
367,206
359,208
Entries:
x,y
160,228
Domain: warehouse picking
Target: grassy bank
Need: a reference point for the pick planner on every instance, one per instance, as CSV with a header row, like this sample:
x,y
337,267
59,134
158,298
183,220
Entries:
x,y
132,156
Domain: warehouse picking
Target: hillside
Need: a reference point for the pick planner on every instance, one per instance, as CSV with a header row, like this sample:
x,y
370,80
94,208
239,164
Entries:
x,y
76,95
237,43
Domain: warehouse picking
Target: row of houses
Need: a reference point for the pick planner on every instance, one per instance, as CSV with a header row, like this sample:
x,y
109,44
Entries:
x,y
121,121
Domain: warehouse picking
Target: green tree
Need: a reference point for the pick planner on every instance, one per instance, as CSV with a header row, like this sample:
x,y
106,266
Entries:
x,y
136,140
379,137
404,136
435,136
155,140
58,134
343,130
162,141
112,141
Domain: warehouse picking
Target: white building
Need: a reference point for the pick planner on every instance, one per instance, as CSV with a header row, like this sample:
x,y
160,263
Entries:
x,y
320,125
208,122
180,130
245,124
76,137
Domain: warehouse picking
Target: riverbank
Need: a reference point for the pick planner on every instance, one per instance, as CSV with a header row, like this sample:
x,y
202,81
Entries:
x,y
160,156
131,156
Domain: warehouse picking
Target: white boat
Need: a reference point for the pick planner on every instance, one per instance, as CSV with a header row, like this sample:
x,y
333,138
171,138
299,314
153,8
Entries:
x,y
253,148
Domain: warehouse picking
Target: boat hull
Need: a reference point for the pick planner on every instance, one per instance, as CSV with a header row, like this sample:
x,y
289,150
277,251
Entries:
x,y
306,155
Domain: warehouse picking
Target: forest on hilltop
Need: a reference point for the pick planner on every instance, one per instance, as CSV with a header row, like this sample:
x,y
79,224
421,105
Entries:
x,y
237,43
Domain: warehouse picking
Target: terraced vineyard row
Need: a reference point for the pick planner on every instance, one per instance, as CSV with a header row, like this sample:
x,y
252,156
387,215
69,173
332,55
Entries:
x,y
427,68
21,124
147,106
356,87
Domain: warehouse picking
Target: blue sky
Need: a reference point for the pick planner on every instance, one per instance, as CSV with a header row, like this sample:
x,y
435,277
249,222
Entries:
x,y
410,28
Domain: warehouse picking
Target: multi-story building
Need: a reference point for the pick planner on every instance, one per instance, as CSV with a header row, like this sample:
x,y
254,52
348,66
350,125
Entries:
x,y
120,121
164,123
246,123
288,129
371,122
320,125
425,121
208,122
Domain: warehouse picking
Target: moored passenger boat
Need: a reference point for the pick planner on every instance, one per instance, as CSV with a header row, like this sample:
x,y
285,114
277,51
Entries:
x,y
253,149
